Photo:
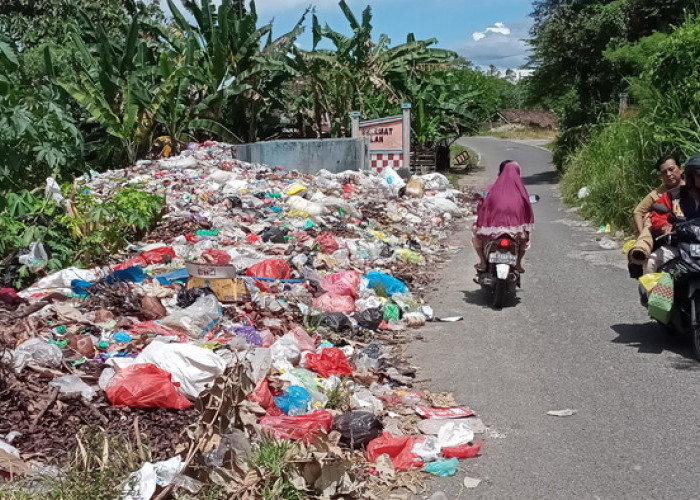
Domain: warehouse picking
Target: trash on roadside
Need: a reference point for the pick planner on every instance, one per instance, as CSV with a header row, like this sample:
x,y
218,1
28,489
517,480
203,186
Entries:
x,y
443,468
562,413
357,428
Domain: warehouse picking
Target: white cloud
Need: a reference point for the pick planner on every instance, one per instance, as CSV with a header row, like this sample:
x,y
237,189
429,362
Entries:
x,y
498,28
501,45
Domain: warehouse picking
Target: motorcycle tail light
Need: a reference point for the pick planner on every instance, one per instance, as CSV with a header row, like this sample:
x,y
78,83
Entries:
x,y
504,243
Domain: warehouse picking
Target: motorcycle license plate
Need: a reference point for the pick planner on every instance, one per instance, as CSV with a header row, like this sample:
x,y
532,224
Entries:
x,y
502,258
695,251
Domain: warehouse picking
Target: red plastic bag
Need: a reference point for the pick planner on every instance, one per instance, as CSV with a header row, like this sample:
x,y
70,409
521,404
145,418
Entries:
x,y
331,303
399,449
217,257
299,426
342,283
156,255
327,242
463,451
303,339
331,361
157,329
271,268
262,394
145,386
134,261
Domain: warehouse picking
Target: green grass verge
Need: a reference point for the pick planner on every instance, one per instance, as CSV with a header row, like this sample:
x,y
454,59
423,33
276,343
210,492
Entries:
x,y
521,133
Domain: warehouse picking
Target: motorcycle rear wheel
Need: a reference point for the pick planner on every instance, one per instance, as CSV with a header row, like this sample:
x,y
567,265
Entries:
x,y
499,294
695,339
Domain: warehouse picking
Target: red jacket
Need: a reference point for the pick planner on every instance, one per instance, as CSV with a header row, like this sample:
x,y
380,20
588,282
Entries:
x,y
660,220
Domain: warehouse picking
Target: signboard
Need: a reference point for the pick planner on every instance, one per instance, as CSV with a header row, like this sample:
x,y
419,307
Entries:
x,y
389,138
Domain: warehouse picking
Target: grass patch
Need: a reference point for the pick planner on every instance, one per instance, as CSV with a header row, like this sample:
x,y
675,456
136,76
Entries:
x,y
338,398
272,456
98,468
617,165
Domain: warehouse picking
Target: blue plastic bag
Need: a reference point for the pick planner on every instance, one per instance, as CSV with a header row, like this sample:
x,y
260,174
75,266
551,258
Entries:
x,y
133,274
251,334
176,276
443,468
295,401
389,283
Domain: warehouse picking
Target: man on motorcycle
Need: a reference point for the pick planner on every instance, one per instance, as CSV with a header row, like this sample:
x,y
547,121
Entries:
x,y
681,201
671,176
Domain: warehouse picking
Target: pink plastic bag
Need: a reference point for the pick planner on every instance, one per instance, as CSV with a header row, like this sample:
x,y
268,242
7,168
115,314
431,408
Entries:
x,y
157,329
134,261
331,361
329,302
327,242
342,283
303,340
443,413
299,426
399,449
463,451
145,386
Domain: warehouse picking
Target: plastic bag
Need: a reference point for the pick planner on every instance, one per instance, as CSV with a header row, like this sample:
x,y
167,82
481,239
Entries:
x,y
399,449
408,255
386,283
337,322
38,351
327,242
301,427
391,312
270,268
196,319
362,399
302,339
415,187
216,257
302,205
357,428
187,297
34,257
158,255
392,179
250,333
72,384
370,358
331,361
436,182
295,401
193,367
342,283
463,451
428,448
443,468
262,394
329,302
441,206
145,386
285,350
141,485
454,434
649,281
369,318
273,234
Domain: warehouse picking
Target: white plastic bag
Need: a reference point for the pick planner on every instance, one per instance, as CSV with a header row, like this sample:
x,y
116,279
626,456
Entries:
x,y
299,203
285,351
141,485
196,319
53,192
363,399
392,180
37,351
59,281
72,384
436,182
442,206
455,434
193,367
36,257
428,449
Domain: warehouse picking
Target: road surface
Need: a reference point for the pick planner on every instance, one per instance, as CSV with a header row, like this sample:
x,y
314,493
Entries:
x,y
577,338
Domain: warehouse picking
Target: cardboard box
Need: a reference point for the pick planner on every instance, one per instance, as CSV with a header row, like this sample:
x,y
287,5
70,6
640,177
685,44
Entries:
x,y
210,271
225,289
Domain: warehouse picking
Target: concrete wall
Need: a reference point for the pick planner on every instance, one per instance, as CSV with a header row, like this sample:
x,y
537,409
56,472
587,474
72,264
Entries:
x,y
309,155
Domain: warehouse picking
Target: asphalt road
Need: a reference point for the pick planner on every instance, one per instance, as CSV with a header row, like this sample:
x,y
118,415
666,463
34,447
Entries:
x,y
576,338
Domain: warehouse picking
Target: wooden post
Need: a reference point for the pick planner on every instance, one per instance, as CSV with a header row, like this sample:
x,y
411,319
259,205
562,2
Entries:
x,y
406,107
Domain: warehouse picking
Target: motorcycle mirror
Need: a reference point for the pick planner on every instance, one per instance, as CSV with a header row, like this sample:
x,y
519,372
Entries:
x,y
659,208
534,198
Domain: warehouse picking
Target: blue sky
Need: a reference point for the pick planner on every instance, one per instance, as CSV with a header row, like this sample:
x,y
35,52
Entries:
x,y
483,31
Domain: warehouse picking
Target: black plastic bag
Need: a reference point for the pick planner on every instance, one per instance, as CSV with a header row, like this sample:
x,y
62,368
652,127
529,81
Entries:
x,y
186,298
369,318
273,234
357,428
336,321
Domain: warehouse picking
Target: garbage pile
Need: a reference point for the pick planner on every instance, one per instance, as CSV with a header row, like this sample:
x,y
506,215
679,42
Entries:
x,y
266,303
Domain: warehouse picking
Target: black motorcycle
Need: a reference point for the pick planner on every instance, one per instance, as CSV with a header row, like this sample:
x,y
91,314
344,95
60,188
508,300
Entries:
x,y
685,270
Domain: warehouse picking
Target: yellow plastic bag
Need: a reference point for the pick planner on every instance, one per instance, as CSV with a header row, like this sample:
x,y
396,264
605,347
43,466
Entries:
x,y
649,281
408,255
295,188
628,246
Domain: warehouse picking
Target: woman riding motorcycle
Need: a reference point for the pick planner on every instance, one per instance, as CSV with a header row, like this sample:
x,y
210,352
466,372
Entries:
x,y
506,208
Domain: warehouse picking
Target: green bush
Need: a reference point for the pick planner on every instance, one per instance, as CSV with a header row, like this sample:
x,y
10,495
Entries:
x,y
617,164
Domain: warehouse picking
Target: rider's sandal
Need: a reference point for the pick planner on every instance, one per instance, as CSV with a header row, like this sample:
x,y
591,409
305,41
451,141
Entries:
x,y
480,269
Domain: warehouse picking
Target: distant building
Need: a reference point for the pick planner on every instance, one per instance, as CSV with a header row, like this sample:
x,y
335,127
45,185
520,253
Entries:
x,y
533,118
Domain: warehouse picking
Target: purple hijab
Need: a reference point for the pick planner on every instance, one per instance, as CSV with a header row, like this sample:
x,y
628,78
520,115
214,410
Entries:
x,y
507,207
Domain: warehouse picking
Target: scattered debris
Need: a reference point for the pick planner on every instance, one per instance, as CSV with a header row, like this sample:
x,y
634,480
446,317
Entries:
x,y
562,413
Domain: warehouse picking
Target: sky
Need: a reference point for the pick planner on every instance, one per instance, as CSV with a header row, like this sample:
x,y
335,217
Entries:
x,y
486,32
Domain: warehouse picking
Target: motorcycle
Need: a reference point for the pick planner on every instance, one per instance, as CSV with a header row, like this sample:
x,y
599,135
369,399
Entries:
x,y
685,271
501,276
